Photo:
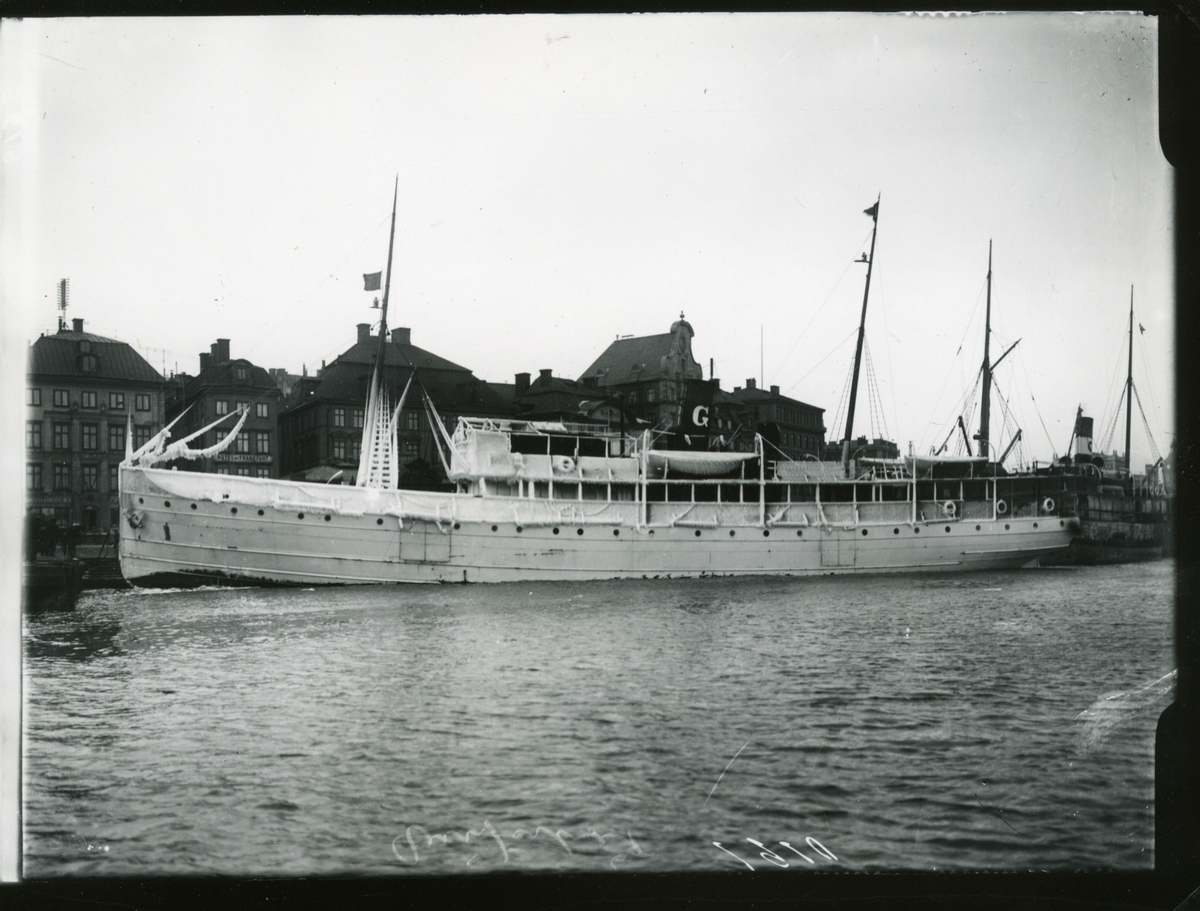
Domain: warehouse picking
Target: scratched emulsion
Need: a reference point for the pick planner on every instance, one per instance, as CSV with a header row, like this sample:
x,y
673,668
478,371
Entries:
x,y
1000,720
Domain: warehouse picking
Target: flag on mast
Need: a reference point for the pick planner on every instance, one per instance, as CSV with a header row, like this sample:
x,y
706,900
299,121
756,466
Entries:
x,y
873,211
371,281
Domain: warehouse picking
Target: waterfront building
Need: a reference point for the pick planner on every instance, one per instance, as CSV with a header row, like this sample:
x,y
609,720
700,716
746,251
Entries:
x,y
82,393
228,386
795,428
321,421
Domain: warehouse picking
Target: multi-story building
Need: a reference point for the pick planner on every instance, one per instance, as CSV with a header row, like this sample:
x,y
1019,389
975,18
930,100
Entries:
x,y
556,398
82,394
795,428
228,386
655,376
321,422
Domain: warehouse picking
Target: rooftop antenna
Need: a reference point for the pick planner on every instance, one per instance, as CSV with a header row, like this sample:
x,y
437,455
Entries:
x,y
64,293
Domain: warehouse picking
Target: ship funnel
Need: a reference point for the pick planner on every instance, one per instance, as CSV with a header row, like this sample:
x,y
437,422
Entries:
x,y
1083,439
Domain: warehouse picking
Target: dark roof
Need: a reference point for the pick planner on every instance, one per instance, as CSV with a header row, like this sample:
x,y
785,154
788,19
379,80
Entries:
x,y
758,396
223,375
450,389
618,362
58,355
395,355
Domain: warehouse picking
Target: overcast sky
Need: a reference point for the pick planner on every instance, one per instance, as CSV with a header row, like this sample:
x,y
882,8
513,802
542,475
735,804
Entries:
x,y
565,180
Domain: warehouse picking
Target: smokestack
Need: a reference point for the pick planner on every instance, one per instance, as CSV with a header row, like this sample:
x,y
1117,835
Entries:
x,y
1083,437
750,383
544,376
205,360
774,390
222,351
364,333
522,384
78,323
401,336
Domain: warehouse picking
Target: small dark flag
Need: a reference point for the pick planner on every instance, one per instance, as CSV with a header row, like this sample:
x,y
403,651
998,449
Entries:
x,y
873,211
371,281
1143,328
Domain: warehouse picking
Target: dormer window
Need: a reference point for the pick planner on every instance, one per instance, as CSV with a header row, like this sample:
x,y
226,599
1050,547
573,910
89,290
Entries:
x,y
242,373
87,362
85,347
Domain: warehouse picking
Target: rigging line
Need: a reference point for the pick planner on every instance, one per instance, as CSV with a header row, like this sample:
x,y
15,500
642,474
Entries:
x,y
317,286
853,332
804,332
1146,424
1150,381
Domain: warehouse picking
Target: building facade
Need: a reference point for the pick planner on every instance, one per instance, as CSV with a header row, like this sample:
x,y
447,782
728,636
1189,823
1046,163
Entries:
x,y
83,393
321,422
795,428
228,386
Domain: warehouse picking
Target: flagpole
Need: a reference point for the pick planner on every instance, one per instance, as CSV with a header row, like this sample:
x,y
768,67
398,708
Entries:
x,y
369,424
1129,391
862,324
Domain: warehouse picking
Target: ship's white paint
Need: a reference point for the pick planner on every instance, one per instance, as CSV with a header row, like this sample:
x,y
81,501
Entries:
x,y
262,530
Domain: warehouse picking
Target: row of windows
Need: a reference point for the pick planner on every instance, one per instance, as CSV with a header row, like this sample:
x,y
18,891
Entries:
x,y
341,448
89,476
356,417
89,436
246,471
89,399
261,409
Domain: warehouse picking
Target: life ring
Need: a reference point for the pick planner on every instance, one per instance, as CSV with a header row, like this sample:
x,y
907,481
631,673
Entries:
x,y
1048,505
949,509
564,464
1001,508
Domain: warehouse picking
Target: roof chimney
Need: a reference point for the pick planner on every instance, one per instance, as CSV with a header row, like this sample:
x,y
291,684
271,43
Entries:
x,y
364,333
401,336
204,360
774,390
544,376
750,383
222,351
78,323
522,384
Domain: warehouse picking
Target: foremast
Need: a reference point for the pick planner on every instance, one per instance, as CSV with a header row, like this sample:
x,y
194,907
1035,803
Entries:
x,y
377,464
862,324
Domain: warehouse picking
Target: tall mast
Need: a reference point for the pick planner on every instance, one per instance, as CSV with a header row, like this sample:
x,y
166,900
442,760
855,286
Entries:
x,y
985,412
387,284
1129,389
862,324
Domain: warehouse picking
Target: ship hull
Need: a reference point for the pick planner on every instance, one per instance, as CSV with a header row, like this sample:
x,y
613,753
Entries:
x,y
198,528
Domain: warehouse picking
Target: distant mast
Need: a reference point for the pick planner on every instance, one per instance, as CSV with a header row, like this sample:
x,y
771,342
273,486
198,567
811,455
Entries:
x,y
985,411
862,323
64,293
1129,390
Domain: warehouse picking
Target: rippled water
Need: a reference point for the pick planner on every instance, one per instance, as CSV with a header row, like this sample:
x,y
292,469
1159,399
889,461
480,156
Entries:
x,y
996,720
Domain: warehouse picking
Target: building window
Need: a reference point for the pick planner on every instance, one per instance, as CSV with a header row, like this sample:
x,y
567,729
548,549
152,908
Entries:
x,y
62,398
222,407
116,401
116,438
62,436
141,436
243,407
33,434
339,447
262,471
222,469
412,420
33,396
90,436
87,399
241,372
141,402
410,449
633,397
262,442
243,471
112,478
260,410
356,417
650,396
91,477
87,363
355,449
339,417
62,476
242,442
33,476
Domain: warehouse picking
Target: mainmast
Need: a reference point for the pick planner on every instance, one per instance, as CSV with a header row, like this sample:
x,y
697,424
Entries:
x,y
985,412
1129,390
862,324
387,284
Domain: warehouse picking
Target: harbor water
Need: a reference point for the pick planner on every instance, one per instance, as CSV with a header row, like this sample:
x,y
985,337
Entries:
x,y
1000,720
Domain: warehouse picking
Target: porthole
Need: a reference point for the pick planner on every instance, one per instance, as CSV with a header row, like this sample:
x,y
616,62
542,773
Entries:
x,y
977,528
457,526
167,503
260,512
766,534
233,511
799,534
1061,522
916,531
579,531
616,531
1035,524
652,532
327,518
299,515
864,532
193,506
556,531
380,522
519,529
697,532
895,531
947,529
732,532
140,500
494,528
1006,528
